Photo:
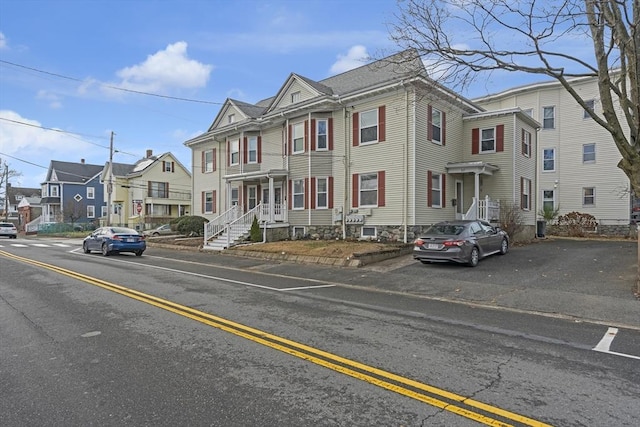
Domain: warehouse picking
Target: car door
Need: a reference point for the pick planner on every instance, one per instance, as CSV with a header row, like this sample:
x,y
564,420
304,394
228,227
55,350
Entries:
x,y
480,236
95,241
493,239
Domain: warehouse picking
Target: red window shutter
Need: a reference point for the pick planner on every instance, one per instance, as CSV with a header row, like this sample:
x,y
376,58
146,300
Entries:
x,y
213,201
245,193
524,148
202,199
313,134
289,139
306,193
443,126
382,126
330,134
530,201
429,188
202,163
213,159
173,167
429,122
228,153
381,188
313,193
354,188
290,203
444,190
259,149
356,129
475,141
306,135
330,192
245,150
500,138
521,193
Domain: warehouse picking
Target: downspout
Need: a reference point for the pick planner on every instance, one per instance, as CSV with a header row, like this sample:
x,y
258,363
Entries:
x,y
513,196
346,172
406,166
308,190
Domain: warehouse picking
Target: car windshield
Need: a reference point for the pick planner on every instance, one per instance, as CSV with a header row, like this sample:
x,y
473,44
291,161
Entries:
x,y
446,229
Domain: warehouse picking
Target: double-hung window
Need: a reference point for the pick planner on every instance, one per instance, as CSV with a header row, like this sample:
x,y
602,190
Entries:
x,y
298,138
588,153
588,196
436,126
322,193
159,190
252,149
91,193
548,117
234,155
548,200
488,140
207,199
322,134
55,191
369,189
436,190
208,161
526,194
549,159
369,126
298,194
91,211
526,143
591,103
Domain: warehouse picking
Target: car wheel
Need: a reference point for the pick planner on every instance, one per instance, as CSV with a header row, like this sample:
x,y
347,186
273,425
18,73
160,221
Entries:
x,y
504,247
85,248
138,253
156,234
474,257
105,250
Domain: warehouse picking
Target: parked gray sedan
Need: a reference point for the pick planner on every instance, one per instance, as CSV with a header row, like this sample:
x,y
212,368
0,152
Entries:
x,y
463,242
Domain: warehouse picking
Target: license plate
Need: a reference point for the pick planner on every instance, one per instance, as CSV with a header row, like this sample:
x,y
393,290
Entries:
x,y
129,240
433,246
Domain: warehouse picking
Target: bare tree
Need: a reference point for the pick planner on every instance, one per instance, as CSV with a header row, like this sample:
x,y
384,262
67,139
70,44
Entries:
x,y
460,39
73,211
6,175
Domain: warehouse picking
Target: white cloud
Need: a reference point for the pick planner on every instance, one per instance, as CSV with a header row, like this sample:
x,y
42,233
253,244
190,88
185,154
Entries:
x,y
356,57
3,42
53,99
167,69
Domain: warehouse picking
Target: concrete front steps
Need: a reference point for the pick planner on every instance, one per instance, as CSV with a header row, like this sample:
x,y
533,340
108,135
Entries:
x,y
234,234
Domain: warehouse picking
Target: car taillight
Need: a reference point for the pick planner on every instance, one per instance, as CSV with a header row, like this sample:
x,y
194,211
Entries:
x,y
419,242
453,243
142,237
116,238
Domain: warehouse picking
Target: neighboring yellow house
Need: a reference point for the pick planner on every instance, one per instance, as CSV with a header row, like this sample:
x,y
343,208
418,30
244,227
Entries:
x,y
146,194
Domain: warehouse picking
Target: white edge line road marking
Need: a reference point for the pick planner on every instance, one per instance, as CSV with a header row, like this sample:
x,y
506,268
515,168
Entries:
x,y
605,343
19,245
40,245
222,279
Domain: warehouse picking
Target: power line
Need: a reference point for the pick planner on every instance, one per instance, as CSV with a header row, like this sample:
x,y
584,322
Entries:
x,y
75,79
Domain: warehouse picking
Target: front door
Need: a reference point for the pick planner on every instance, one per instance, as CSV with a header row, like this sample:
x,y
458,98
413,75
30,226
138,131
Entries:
x,y
459,199
278,209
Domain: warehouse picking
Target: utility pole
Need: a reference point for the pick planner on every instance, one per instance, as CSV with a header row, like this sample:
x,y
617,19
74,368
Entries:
x,y
6,191
110,183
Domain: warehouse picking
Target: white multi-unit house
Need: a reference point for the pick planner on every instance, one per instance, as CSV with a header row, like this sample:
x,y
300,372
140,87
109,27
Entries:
x,y
378,152
577,158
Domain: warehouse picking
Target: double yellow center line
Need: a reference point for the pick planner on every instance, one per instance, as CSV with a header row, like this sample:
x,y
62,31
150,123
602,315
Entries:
x,y
439,398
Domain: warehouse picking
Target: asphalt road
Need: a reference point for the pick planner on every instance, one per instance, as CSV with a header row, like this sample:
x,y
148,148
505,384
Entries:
x,y
78,351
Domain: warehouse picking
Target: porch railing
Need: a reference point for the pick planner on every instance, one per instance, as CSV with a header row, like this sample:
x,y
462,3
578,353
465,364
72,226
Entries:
x,y
32,227
484,209
279,211
217,225
240,225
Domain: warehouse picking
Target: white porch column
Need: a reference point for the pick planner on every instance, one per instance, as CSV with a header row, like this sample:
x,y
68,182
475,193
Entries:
x,y
477,191
272,201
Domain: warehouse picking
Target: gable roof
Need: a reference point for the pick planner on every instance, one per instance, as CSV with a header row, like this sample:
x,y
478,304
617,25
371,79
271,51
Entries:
x,y
74,173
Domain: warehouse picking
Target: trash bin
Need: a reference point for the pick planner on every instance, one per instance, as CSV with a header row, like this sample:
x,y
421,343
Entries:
x,y
541,228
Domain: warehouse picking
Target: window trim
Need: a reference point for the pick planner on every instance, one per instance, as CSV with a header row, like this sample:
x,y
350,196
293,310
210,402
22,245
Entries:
x,y
592,196
591,144
547,199
494,139
91,193
249,150
544,150
326,135
300,138
326,193
231,118
526,143
91,211
208,166
301,195
375,112
360,190
591,103
234,149
205,194
295,97
375,232
54,190
553,119
436,202
437,111
526,186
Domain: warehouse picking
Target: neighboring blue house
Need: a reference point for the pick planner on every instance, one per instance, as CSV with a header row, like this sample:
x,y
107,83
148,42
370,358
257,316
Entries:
x,y
73,193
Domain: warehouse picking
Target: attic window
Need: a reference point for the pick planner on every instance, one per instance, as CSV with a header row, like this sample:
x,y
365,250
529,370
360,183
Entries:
x,y
231,118
295,97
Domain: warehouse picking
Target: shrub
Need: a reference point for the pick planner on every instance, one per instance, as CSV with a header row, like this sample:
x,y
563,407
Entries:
x,y
549,213
255,233
577,224
511,219
191,225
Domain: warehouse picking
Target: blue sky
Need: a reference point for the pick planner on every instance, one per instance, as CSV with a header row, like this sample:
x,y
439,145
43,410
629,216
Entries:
x,y
61,60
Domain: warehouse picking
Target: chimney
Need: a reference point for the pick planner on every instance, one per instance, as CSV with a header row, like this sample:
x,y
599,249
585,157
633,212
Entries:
x,y
82,161
149,153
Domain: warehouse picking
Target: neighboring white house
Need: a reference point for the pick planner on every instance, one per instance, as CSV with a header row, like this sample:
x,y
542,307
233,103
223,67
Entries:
x,y
577,158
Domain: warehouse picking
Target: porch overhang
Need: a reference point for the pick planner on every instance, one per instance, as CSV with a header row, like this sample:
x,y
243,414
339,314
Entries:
x,y
479,168
272,173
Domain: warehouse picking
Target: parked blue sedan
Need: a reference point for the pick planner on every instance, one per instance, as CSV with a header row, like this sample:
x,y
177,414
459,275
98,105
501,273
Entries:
x,y
110,240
